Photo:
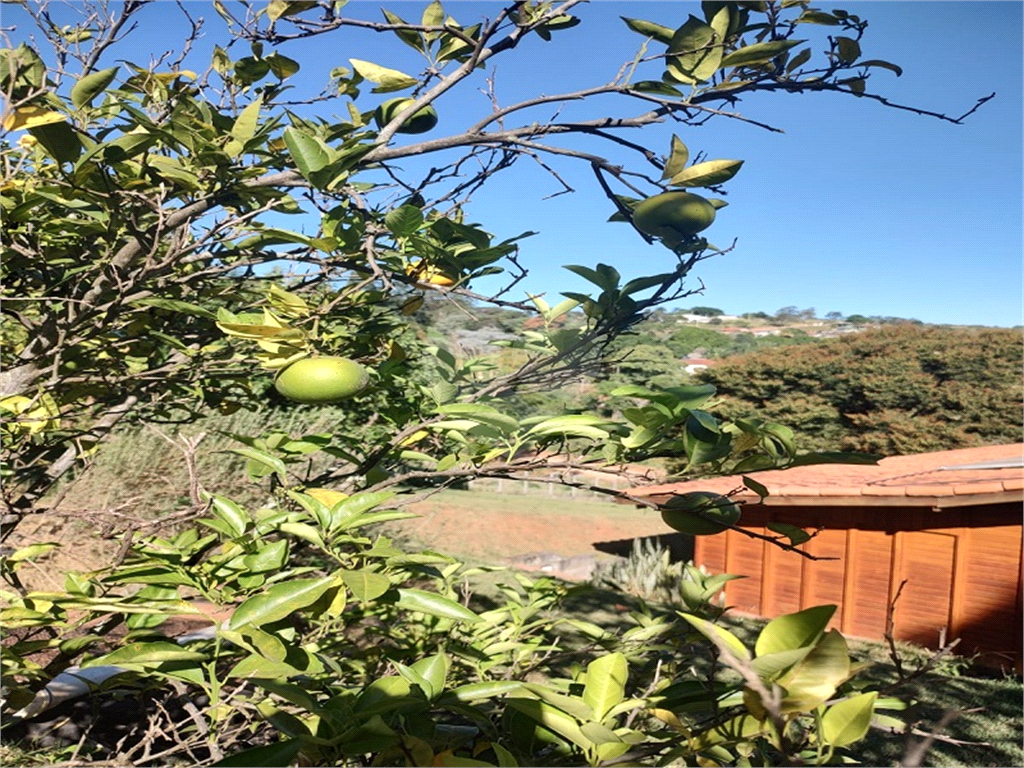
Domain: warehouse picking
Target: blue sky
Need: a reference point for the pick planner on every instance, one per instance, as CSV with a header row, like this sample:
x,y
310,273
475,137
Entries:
x,y
855,208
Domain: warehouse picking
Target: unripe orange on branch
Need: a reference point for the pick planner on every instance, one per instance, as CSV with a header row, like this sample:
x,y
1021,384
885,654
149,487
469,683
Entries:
x,y
422,120
716,513
316,380
673,215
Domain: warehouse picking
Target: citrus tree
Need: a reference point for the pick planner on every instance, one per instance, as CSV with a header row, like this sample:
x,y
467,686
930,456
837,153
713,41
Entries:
x,y
151,275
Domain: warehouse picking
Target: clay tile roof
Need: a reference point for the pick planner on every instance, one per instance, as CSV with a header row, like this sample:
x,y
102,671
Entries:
x,y
989,474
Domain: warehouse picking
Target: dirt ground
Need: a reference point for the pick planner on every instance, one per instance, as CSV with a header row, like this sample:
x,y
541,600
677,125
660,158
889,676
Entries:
x,y
497,529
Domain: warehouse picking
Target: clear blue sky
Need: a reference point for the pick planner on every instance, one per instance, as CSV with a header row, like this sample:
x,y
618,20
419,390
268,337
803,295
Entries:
x,y
855,208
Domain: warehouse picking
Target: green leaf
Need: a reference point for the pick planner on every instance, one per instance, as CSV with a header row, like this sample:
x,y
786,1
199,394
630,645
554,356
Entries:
x,y
433,16
366,585
256,666
806,459
250,70
271,557
280,601
602,280
308,152
484,414
759,53
553,719
799,60
698,57
146,655
643,283
572,425
719,636
768,666
383,695
848,50
404,221
655,86
884,65
231,514
433,670
600,734
282,66
245,124
221,61
304,532
795,534
279,755
488,690
606,683
278,8
794,630
408,36
649,29
387,79
677,159
264,458
849,720
434,604
818,17
814,680
91,86
756,487
707,174
60,141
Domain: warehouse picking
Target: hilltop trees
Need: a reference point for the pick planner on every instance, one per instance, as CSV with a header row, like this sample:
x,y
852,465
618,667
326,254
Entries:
x,y
151,274
894,390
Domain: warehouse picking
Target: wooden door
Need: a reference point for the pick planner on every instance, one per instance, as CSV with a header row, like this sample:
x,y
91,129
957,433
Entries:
x,y
924,563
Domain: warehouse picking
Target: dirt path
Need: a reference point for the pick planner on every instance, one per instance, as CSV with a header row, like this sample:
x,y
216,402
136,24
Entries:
x,y
497,529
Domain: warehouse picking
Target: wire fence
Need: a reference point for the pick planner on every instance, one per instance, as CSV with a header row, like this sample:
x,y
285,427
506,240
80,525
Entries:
x,y
535,488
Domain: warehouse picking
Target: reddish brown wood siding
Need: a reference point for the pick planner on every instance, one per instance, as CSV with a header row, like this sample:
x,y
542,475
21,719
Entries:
x,y
961,572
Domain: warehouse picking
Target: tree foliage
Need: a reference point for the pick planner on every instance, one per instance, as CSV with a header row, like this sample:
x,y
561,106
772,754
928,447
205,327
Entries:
x,y
894,390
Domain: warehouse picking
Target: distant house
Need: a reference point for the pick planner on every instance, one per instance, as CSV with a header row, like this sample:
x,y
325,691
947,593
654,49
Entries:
x,y
693,365
938,535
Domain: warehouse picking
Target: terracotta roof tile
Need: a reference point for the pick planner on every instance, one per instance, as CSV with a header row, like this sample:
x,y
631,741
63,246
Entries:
x,y
882,490
928,490
940,474
839,490
970,489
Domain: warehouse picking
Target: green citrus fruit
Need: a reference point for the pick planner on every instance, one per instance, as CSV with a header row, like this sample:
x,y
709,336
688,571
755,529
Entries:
x,y
422,120
673,215
321,379
678,511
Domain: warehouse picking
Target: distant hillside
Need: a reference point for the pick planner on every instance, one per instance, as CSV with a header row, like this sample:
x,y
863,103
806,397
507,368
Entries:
x,y
882,385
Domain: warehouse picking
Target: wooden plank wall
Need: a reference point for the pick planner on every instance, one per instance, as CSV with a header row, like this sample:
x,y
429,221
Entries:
x,y
960,571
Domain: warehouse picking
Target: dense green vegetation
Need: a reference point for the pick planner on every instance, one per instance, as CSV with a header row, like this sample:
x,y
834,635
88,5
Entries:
x,y
895,390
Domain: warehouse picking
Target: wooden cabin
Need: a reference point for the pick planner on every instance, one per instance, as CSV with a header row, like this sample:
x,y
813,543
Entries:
x,y
937,534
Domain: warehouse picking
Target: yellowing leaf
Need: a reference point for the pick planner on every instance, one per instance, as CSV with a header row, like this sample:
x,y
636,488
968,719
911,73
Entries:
x,y
24,118
386,79
326,496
